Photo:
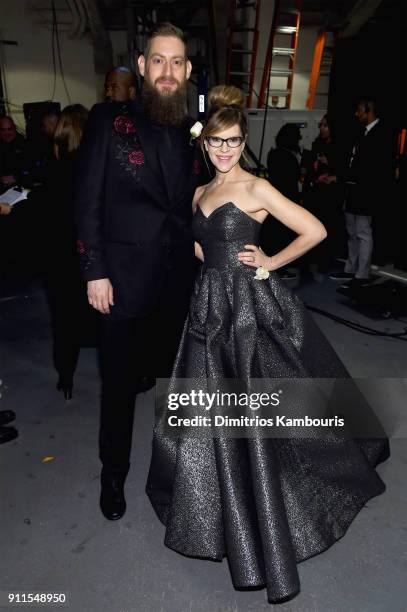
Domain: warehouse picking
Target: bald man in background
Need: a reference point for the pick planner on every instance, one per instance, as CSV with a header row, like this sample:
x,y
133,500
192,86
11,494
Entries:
x,y
120,85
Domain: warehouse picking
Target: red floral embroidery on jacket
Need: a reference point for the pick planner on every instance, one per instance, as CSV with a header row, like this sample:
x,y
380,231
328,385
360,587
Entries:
x,y
137,157
124,125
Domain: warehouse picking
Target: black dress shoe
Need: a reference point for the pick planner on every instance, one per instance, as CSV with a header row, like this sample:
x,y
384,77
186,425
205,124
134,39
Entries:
x,y
112,500
7,434
356,283
66,388
6,416
145,384
342,276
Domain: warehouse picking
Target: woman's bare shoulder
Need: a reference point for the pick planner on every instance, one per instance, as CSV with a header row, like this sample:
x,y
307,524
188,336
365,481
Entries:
x,y
199,191
261,185
260,188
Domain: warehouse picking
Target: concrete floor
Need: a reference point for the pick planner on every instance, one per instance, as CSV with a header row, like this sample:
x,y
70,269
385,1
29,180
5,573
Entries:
x,y
54,538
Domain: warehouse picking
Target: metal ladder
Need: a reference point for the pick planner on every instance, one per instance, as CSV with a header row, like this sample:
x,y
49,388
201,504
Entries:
x,y
285,25
242,54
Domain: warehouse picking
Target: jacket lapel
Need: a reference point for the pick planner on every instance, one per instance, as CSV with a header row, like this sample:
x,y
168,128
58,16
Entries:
x,y
149,137
165,156
169,179
177,177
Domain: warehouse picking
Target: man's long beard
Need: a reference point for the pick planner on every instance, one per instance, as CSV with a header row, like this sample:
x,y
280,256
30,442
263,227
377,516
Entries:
x,y
165,109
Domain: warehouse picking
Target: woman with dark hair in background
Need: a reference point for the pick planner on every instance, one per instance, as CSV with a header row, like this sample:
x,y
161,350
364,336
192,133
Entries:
x,y
323,195
283,166
67,296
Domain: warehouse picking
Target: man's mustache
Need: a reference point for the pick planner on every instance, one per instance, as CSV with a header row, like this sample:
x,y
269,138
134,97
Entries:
x,y
166,80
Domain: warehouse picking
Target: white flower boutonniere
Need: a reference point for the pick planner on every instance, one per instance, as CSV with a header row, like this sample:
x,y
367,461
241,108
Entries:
x,y
262,273
196,130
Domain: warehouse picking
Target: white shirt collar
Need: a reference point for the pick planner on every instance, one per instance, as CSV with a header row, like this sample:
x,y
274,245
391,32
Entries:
x,y
371,125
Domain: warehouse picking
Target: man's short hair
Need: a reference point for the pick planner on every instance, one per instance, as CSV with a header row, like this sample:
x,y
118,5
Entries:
x,y
165,28
123,70
371,102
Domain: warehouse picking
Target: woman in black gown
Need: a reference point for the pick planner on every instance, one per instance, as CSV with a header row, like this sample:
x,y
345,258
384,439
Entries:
x,y
265,503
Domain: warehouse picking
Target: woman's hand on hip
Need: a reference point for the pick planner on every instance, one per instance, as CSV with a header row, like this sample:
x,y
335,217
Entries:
x,y
254,257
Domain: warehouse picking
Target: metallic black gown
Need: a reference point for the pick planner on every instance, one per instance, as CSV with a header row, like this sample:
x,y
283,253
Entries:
x,y
264,503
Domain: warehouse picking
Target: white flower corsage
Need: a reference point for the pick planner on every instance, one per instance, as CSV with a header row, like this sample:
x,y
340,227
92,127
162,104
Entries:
x,y
196,130
262,273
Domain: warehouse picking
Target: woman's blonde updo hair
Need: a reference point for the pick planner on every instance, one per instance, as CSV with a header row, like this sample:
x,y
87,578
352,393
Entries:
x,y
69,130
225,109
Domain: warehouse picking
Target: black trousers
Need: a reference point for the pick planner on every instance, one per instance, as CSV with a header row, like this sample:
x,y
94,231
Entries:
x,y
74,322
130,349
64,298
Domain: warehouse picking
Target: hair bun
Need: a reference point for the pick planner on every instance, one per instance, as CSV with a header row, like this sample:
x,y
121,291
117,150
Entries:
x,y
223,96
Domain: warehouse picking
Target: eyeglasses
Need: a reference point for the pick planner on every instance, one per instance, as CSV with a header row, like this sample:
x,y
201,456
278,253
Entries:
x,y
233,142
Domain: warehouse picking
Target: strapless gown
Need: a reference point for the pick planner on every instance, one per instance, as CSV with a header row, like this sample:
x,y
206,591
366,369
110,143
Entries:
x,y
264,503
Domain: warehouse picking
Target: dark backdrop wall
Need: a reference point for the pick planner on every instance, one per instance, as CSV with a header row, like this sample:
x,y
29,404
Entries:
x,y
373,61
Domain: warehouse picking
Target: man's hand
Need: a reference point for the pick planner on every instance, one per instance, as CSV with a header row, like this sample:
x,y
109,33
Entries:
x,y
5,209
8,180
330,178
100,294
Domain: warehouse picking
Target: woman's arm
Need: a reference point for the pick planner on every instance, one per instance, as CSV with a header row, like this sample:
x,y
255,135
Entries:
x,y
198,251
309,229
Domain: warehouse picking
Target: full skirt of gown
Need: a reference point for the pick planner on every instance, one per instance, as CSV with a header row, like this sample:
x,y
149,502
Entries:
x,y
264,503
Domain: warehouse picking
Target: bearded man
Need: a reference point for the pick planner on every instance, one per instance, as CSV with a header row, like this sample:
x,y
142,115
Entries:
x,y
137,172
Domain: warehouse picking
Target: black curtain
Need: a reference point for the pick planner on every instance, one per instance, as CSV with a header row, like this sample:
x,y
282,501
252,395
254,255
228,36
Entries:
x,y
373,61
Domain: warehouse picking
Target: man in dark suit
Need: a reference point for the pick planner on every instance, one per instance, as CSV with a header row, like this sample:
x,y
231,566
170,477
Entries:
x,y
369,180
136,178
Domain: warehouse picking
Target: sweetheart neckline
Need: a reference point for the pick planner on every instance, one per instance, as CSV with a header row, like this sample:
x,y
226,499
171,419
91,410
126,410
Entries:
x,y
207,218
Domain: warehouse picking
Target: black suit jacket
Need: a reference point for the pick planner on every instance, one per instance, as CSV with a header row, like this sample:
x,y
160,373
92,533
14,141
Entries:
x,y
133,201
372,171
